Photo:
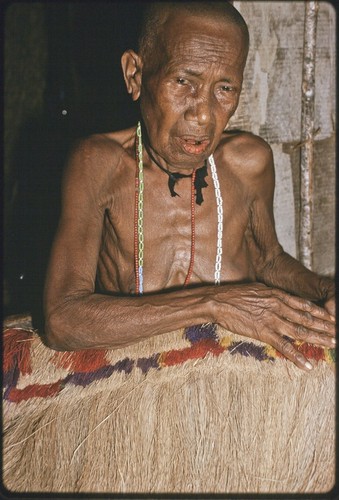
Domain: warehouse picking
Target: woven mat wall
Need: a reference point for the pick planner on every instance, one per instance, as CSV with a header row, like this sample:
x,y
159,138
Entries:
x,y
200,410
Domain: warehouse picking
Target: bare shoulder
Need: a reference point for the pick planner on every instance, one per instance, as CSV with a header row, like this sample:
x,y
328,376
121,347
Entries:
x,y
94,170
246,154
99,153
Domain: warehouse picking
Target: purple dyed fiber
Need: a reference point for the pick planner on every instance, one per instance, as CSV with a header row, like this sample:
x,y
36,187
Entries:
x,y
11,377
125,365
84,379
201,332
249,349
12,382
145,364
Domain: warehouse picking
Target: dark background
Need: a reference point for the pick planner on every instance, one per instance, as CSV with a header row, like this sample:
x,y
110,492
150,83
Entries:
x,y
59,56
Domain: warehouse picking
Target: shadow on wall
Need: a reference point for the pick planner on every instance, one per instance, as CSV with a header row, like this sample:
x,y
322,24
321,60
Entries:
x,y
38,156
84,94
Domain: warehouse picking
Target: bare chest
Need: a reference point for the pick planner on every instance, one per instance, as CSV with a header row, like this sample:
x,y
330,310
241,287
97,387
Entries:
x,y
178,237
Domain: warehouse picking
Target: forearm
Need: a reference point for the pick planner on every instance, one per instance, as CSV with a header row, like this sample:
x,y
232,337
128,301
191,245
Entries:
x,y
102,321
288,274
253,310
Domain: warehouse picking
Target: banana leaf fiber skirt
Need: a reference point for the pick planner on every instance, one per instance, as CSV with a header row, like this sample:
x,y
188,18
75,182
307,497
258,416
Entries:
x,y
199,410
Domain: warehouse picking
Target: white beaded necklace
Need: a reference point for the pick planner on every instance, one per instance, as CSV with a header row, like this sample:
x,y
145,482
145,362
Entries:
x,y
139,219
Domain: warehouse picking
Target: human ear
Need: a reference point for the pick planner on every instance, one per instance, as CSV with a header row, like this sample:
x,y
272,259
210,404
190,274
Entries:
x,y
132,69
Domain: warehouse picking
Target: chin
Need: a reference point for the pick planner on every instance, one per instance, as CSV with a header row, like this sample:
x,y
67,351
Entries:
x,y
186,160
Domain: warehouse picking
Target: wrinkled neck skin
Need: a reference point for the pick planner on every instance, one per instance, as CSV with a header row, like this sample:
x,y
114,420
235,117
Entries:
x,y
157,160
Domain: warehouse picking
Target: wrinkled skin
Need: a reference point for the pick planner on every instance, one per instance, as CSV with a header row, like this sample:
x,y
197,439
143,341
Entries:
x,y
194,92
187,93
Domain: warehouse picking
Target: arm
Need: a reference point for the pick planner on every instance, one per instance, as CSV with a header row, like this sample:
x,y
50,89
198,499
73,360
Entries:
x,y
273,266
268,311
287,273
79,318
75,316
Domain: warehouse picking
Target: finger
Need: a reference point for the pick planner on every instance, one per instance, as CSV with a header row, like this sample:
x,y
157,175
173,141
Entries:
x,y
289,351
307,320
330,307
296,331
305,306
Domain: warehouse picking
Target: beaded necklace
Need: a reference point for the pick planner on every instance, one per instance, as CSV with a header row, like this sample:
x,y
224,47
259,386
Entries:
x,y
139,219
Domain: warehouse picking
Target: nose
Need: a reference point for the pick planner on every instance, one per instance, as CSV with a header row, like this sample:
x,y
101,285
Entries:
x,y
199,109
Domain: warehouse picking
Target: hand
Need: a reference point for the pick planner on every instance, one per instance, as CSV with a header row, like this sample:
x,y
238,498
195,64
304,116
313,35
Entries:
x,y
330,306
269,315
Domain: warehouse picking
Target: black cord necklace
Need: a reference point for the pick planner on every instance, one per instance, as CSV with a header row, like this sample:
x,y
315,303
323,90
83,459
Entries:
x,y
173,177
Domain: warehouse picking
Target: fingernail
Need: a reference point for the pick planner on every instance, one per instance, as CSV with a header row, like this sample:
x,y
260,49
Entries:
x,y
308,365
333,341
332,317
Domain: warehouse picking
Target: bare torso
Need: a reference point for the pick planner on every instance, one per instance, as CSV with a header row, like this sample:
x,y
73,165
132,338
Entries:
x,y
188,91
90,287
167,227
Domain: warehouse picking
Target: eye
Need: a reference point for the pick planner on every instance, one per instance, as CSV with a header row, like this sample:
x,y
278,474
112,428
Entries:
x,y
227,88
182,81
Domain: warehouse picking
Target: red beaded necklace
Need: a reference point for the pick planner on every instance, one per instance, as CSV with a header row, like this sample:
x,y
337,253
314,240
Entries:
x,y
139,219
190,269
137,223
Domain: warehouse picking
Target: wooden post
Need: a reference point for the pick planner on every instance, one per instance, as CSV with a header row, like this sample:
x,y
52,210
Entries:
x,y
307,135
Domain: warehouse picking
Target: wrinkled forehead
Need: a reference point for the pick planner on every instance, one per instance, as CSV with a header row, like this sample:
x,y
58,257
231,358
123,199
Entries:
x,y
185,35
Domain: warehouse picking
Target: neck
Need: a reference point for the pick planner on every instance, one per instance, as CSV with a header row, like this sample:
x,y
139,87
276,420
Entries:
x,y
198,174
157,160
169,171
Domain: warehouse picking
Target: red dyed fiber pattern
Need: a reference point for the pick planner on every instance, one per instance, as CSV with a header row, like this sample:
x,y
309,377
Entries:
x,y
34,391
197,350
84,361
312,352
16,350
88,365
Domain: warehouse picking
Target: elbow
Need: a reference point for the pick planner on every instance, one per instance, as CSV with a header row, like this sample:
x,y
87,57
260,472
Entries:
x,y
56,336
266,269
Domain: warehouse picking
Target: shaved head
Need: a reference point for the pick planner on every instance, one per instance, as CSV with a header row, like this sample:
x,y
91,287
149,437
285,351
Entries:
x,y
188,75
157,14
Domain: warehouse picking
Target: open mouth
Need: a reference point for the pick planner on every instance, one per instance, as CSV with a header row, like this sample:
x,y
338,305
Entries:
x,y
195,146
